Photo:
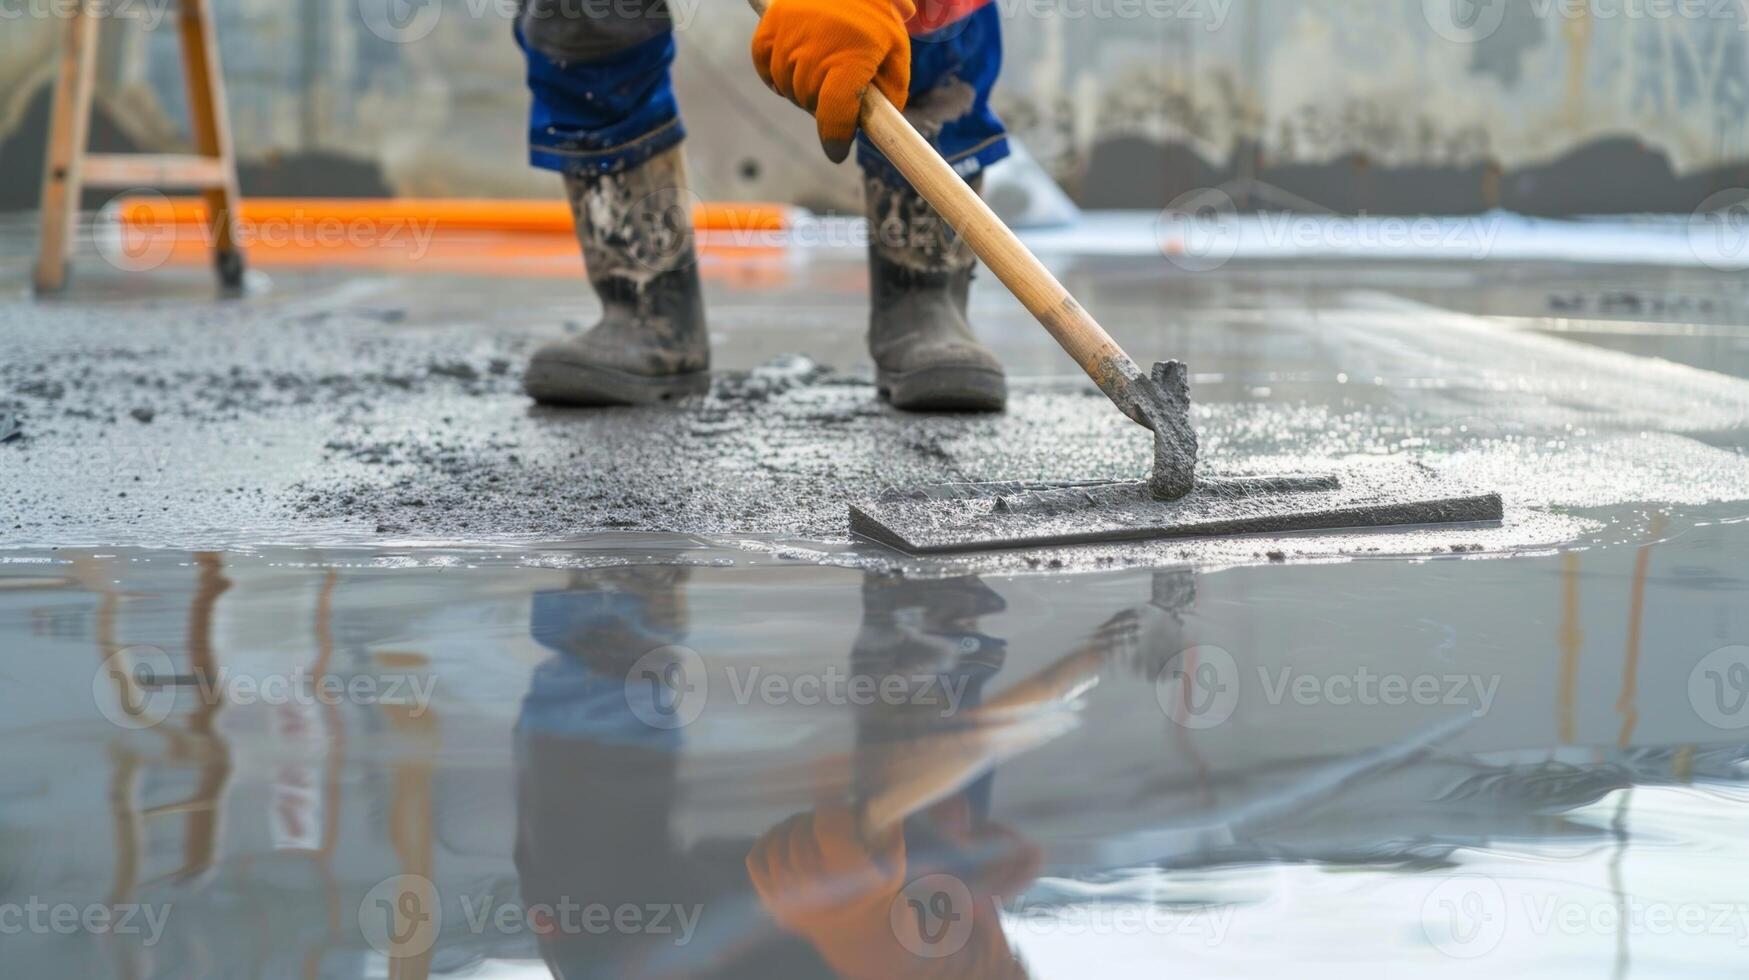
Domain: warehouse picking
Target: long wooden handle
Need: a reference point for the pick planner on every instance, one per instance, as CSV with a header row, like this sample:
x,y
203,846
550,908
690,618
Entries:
x,y
1016,722
1000,249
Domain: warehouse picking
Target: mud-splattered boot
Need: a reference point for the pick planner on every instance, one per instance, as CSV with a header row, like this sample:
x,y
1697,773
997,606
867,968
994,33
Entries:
x,y
920,271
636,230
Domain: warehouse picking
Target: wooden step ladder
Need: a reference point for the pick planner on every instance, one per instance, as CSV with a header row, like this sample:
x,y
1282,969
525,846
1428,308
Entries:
x,y
68,169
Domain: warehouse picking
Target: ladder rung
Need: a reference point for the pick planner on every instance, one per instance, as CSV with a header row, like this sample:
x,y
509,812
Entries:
x,y
152,170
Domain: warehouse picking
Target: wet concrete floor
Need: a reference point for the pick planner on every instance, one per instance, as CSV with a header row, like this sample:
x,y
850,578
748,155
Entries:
x,y
338,762
366,408
376,669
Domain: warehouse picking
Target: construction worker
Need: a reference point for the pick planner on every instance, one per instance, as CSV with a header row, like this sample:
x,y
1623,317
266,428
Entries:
x,y
605,117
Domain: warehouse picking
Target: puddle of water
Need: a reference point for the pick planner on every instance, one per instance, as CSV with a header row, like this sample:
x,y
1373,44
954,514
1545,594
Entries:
x,y
660,758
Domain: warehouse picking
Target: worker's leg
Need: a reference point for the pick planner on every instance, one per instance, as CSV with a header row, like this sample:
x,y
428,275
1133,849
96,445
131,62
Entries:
x,y
605,117
925,354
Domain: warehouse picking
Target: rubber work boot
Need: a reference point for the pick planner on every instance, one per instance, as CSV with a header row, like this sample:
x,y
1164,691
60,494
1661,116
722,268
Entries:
x,y
636,230
920,272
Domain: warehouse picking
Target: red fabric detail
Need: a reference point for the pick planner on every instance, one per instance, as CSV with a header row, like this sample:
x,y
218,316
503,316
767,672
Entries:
x,y
933,15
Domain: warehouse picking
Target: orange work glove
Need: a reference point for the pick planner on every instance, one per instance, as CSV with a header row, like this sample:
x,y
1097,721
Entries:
x,y
823,54
822,880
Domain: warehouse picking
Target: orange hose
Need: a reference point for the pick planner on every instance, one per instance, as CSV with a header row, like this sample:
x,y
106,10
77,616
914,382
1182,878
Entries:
x,y
536,216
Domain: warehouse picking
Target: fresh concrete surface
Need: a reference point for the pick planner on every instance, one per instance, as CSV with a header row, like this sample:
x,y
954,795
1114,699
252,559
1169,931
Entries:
x,y
366,407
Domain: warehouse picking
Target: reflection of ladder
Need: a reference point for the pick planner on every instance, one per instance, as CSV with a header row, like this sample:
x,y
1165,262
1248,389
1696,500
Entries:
x,y
198,744
68,169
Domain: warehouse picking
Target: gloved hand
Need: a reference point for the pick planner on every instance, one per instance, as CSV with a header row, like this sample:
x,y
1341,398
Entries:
x,y
823,54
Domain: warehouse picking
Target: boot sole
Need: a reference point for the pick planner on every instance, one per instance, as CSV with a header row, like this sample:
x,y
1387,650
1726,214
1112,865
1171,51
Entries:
x,y
944,389
584,385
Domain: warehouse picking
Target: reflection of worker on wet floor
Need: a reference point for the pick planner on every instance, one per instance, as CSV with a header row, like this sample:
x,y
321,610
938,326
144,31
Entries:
x,y
605,116
598,785
905,878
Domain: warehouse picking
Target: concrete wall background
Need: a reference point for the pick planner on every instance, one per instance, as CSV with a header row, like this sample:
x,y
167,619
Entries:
x,y
1543,106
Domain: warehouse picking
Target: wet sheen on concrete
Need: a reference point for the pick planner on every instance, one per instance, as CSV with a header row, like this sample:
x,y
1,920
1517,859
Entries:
x,y
1323,768
631,659
359,409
